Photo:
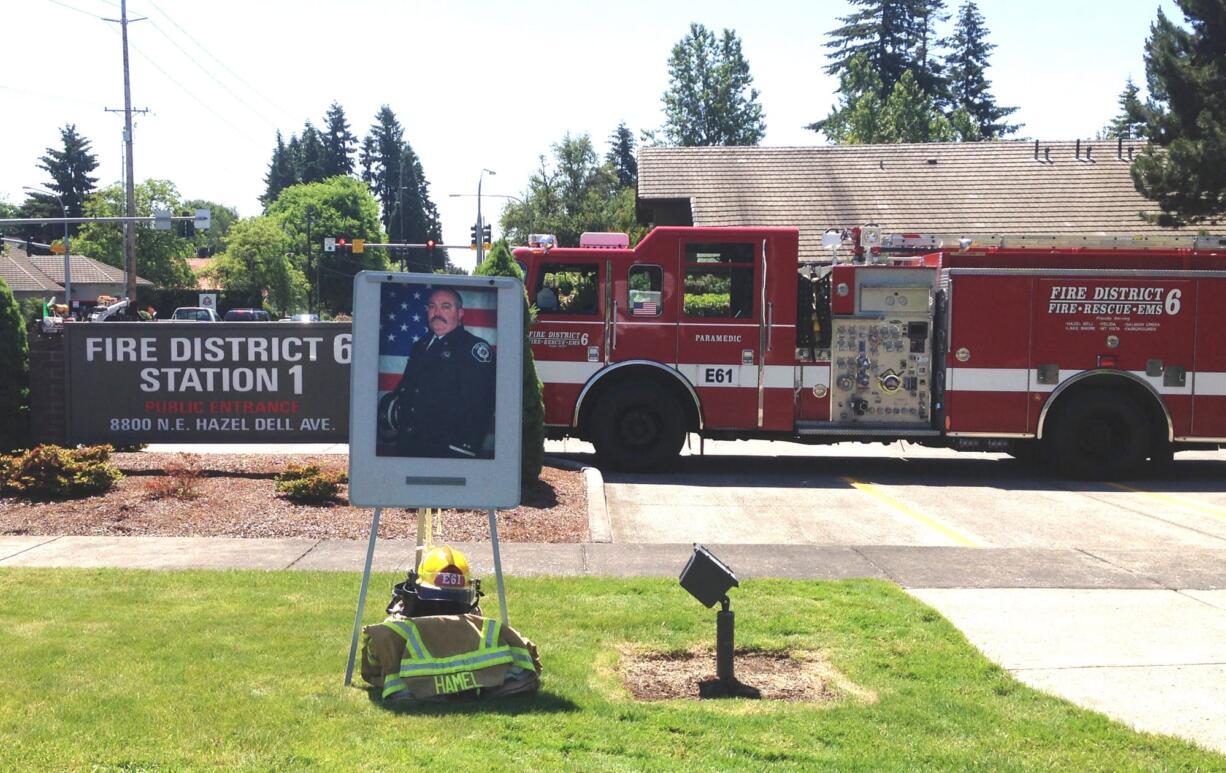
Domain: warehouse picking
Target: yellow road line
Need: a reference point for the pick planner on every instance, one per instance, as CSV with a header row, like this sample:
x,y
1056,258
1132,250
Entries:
x,y
1174,500
909,511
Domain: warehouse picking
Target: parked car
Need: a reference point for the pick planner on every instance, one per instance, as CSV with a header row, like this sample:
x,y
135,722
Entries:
x,y
195,314
301,318
247,315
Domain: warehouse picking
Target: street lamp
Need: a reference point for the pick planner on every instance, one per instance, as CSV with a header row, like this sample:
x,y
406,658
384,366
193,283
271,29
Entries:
x,y
480,222
67,246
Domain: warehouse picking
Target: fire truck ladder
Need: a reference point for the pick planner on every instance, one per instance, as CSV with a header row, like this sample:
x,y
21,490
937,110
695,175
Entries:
x,y
910,242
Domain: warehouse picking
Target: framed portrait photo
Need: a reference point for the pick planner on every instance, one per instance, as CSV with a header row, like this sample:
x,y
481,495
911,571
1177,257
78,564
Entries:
x,y
436,384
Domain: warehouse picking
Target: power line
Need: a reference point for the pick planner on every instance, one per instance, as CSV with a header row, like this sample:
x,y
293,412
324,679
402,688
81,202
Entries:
x,y
74,8
238,130
223,65
214,78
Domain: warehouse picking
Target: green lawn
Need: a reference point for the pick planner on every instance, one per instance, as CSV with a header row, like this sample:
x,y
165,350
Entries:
x,y
131,670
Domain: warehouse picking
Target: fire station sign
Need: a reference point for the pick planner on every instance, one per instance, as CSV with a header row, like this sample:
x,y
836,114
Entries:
x,y
190,382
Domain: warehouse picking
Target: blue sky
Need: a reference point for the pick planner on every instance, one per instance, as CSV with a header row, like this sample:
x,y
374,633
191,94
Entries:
x,y
477,84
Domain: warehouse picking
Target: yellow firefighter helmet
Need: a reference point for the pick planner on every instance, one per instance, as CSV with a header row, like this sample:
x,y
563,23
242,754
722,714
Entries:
x,y
445,575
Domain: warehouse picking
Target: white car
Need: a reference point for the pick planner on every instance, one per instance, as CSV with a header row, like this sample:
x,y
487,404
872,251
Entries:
x,y
195,314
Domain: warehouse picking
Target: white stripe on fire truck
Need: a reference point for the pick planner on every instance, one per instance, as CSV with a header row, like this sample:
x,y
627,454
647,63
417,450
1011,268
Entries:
x,y
776,377
1023,380
553,372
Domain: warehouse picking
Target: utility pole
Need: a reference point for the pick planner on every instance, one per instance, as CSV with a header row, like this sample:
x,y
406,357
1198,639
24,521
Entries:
x,y
129,229
310,210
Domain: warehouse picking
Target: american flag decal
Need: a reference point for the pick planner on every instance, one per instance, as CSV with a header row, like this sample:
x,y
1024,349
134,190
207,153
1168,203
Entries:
x,y
642,308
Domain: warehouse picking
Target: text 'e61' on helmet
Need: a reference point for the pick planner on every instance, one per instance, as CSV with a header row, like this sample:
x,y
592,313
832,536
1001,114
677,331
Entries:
x,y
444,575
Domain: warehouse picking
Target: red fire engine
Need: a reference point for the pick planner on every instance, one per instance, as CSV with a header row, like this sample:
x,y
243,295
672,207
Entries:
x,y
1095,358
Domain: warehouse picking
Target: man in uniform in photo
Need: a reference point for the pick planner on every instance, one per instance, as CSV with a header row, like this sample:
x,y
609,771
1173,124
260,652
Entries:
x,y
447,390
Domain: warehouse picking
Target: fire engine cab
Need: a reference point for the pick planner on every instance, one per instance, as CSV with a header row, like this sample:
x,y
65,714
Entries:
x,y
1095,358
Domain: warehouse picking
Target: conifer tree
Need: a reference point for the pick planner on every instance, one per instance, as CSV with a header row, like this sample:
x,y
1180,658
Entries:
x,y
1184,170
883,31
1127,124
70,167
966,67
395,176
923,60
338,141
281,172
621,156
311,156
501,263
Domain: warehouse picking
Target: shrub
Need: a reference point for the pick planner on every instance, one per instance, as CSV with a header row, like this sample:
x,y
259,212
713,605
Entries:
x,y
500,263
310,483
51,472
181,481
708,305
14,375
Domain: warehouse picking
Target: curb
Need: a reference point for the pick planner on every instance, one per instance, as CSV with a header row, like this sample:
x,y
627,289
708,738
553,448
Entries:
x,y
600,528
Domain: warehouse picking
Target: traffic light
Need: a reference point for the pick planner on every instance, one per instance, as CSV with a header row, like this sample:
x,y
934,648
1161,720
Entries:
x,y
430,243
485,237
342,245
472,230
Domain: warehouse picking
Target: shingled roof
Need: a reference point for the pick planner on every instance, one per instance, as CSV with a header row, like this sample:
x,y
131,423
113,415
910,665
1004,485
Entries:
x,y
85,270
974,189
21,276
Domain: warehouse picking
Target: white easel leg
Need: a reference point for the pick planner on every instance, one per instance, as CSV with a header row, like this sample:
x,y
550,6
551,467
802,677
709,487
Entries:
x,y
357,619
502,595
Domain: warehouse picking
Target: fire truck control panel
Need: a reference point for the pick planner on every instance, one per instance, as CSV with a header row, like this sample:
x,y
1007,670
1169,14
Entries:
x,y
882,352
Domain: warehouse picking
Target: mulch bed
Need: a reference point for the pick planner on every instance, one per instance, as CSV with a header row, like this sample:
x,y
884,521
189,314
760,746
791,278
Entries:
x,y
235,497
691,676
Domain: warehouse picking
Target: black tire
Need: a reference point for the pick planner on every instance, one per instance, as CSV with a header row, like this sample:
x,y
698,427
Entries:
x,y
1099,435
637,428
1028,454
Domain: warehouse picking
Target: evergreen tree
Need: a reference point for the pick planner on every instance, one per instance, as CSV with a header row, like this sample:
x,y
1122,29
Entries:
x,y
966,67
1127,124
499,262
69,168
310,156
710,98
395,176
339,143
1184,170
912,116
14,376
380,161
281,172
884,32
621,156
862,116
924,64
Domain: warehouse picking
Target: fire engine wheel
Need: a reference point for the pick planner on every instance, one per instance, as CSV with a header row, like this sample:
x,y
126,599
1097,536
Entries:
x,y
638,429
1101,435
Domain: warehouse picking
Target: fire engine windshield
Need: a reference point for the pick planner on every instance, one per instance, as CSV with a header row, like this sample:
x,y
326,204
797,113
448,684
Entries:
x,y
567,288
719,280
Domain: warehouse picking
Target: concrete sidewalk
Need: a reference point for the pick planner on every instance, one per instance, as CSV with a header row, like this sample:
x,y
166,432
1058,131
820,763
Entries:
x,y
1139,635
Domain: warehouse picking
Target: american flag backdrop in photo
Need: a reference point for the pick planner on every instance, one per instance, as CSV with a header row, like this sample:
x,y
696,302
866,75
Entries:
x,y
403,322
